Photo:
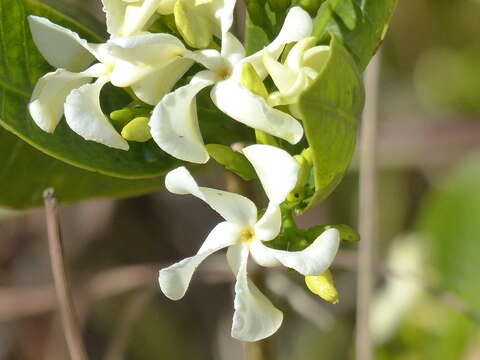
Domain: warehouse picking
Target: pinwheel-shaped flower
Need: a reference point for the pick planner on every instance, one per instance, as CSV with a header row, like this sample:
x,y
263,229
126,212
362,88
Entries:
x,y
137,61
243,233
303,64
174,121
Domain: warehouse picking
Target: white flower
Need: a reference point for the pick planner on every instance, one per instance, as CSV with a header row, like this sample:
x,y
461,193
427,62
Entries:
x,y
197,21
174,121
243,233
136,61
302,66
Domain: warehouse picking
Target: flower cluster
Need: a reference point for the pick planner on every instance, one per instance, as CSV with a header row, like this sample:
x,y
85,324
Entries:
x,y
151,65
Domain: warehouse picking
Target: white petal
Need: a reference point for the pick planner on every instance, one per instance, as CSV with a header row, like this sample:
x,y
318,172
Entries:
x,y
138,15
166,7
252,110
49,94
223,10
268,227
295,56
174,123
262,255
85,117
209,58
283,76
61,47
297,26
155,86
115,14
232,48
232,207
175,279
313,260
276,169
255,317
135,57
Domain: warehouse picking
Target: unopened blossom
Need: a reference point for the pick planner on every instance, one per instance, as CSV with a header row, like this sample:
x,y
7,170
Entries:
x,y
174,121
136,61
244,233
302,66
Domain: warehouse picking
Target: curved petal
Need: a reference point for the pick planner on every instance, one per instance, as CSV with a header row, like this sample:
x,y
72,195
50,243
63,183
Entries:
x,y
155,86
85,117
137,56
295,56
61,47
49,95
297,26
232,48
252,110
262,255
313,260
209,58
115,13
255,317
282,75
232,207
276,169
270,224
174,123
138,15
175,279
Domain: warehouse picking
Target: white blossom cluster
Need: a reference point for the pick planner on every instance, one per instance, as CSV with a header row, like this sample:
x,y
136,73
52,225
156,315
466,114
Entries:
x,y
150,65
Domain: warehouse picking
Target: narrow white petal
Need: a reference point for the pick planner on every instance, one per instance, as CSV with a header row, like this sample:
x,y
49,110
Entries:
x,y
297,26
61,47
49,94
232,48
276,169
138,15
283,76
313,260
252,110
166,7
232,207
85,117
295,56
270,224
209,58
175,279
174,123
255,317
115,14
262,255
155,86
223,10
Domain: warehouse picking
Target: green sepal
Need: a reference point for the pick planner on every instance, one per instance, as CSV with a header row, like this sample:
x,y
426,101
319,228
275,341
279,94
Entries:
x,y
347,233
232,160
330,109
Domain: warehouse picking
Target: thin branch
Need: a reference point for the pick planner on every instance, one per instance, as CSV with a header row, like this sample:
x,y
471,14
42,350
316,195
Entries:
x,y
367,212
61,280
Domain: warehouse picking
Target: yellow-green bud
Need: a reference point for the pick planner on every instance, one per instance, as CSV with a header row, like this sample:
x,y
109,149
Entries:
x,y
137,130
311,6
279,6
323,286
123,115
252,81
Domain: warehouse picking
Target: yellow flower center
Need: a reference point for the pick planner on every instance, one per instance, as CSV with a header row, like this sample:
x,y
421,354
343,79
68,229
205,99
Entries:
x,y
247,234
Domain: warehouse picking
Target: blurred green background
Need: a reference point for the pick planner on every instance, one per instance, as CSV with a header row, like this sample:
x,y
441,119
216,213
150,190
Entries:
x,y
427,257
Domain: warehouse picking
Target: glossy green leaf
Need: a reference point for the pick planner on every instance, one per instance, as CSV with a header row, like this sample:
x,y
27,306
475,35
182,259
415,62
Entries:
x,y
26,172
360,25
450,221
331,108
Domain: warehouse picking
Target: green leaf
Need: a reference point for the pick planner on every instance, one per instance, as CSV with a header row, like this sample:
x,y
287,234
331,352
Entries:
x,y
232,160
20,67
330,109
360,25
450,221
26,172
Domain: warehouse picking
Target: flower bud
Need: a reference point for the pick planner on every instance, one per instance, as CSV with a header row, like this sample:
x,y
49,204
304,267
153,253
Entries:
x,y
252,81
279,6
137,130
323,286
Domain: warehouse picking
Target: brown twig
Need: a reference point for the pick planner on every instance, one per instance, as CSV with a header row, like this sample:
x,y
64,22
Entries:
x,y
61,280
367,212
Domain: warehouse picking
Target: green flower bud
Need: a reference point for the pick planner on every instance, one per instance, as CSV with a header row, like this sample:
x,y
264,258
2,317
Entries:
x,y
311,6
252,81
232,160
137,130
194,28
323,286
122,116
